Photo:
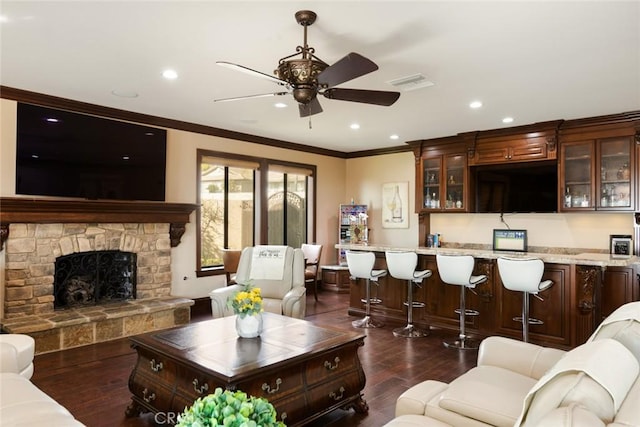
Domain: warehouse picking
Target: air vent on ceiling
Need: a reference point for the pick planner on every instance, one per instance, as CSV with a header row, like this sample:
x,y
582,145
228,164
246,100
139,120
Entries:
x,y
413,82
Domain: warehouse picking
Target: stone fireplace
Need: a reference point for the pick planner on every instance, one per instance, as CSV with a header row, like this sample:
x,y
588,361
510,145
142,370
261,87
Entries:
x,y
36,234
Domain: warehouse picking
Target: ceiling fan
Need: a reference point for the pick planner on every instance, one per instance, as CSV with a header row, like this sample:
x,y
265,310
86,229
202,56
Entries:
x,y
308,76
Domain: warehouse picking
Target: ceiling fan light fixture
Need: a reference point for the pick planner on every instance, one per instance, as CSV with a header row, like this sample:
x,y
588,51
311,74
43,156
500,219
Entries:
x,y
304,94
300,71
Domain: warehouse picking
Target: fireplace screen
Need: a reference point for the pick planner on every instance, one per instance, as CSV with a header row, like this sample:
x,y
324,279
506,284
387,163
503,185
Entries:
x,y
91,278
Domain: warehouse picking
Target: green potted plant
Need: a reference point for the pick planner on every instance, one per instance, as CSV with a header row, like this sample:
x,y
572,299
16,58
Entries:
x,y
229,409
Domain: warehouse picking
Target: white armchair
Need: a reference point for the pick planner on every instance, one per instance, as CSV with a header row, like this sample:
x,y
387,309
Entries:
x,y
279,275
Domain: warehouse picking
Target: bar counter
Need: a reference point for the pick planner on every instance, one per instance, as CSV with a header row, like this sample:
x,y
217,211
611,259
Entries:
x,y
587,286
553,256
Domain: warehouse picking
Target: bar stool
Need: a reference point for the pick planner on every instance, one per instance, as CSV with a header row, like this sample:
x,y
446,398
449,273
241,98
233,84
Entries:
x,y
361,267
402,265
458,270
524,275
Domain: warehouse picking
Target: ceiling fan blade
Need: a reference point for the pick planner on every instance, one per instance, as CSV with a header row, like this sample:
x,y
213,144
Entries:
x,y
246,70
377,97
348,68
310,109
263,95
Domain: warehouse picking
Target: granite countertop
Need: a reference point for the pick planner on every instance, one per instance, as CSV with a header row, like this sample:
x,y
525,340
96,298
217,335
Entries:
x,y
554,256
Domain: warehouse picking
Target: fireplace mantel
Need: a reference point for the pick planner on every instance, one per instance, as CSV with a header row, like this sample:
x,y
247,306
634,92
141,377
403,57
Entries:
x,y
49,211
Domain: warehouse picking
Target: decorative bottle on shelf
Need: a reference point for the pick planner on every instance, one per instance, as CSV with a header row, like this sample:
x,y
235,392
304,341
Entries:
x,y
567,198
585,201
604,199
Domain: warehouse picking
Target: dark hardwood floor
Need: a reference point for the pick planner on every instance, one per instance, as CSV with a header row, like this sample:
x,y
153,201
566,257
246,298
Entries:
x,y
91,381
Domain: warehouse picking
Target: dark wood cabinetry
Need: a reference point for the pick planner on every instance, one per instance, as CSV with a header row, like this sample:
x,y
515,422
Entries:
x,y
620,286
597,160
441,175
598,174
598,163
507,150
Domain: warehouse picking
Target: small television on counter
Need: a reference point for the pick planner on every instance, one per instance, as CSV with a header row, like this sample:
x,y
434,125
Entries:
x,y
66,154
518,187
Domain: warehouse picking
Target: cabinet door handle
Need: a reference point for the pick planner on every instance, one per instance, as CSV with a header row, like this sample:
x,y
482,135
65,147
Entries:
x,y
156,366
266,387
331,367
336,396
150,398
200,389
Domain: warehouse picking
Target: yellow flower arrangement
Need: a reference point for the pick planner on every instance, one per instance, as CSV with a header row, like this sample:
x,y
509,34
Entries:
x,y
246,302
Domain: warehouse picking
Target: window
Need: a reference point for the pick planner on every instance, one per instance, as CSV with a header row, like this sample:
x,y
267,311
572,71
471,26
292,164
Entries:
x,y
287,207
236,211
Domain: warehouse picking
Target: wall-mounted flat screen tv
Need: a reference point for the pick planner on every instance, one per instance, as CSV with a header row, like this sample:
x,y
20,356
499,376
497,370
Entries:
x,y
518,187
67,154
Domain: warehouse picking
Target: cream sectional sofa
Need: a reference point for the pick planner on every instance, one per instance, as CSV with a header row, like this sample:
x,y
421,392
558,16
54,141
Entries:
x,y
519,384
21,402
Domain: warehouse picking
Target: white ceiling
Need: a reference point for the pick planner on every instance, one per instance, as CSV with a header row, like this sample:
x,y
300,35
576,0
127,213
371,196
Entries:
x,y
532,60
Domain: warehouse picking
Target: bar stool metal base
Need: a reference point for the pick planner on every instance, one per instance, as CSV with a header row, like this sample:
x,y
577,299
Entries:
x,y
462,344
367,322
410,331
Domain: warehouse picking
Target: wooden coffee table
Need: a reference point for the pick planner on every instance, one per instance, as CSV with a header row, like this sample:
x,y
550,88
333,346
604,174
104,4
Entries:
x,y
304,370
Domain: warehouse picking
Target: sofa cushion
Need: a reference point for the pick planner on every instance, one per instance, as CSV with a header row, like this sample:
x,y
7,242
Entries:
x,y
627,332
415,421
489,394
583,377
570,416
622,325
629,412
414,400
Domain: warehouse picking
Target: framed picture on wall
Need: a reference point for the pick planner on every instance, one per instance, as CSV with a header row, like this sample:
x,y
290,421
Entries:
x,y
395,205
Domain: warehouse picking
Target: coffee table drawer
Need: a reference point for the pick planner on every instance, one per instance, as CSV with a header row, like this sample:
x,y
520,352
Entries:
x,y
291,409
156,366
334,393
331,365
192,383
276,384
151,392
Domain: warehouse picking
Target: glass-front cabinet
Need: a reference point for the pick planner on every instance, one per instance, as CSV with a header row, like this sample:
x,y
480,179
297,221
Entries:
x,y
444,182
597,175
615,189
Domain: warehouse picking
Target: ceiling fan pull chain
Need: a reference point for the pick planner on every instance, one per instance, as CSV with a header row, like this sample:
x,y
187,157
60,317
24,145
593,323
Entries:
x,y
310,127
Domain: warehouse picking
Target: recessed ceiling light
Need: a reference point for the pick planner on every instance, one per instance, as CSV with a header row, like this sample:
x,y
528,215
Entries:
x,y
125,157
280,105
475,104
149,134
507,120
170,74
394,136
52,120
355,126
35,156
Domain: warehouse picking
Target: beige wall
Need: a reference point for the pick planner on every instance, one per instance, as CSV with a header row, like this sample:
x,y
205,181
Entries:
x,y
365,177
181,188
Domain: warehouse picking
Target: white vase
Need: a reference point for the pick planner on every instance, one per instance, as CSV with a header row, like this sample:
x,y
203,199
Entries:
x,y
249,326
